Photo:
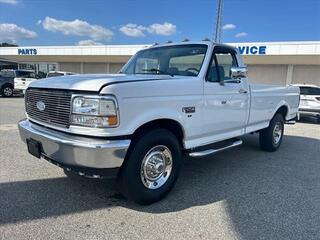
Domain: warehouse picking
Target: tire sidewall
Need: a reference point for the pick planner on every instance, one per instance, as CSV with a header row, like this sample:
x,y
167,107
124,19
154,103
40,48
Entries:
x,y
3,90
131,182
277,119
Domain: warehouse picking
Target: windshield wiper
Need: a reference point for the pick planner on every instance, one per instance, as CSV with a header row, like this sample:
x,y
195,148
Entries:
x,y
157,71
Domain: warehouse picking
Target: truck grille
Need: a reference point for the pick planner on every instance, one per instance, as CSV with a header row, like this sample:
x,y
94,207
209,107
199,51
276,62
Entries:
x,y
48,106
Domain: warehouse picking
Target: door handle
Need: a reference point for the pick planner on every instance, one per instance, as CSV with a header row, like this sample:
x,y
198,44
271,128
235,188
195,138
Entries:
x,y
243,91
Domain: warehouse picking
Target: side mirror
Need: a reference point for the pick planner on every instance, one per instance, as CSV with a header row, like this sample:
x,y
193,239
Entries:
x,y
238,72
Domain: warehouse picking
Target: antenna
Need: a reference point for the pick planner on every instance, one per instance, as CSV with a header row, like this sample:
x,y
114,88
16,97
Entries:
x,y
217,36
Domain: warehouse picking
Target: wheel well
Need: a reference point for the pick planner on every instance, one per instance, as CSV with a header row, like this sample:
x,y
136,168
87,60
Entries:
x,y
169,124
283,111
6,84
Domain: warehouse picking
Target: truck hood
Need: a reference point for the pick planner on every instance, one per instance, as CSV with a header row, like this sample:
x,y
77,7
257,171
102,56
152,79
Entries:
x,y
92,82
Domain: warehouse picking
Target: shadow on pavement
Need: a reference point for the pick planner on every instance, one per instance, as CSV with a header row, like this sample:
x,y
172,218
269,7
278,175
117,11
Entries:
x,y
13,96
309,120
265,193
35,199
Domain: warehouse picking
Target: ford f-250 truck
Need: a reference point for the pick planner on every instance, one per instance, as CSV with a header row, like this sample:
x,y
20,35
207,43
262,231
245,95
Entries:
x,y
169,100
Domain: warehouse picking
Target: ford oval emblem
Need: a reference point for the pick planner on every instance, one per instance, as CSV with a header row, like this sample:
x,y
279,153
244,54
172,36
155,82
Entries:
x,y
41,106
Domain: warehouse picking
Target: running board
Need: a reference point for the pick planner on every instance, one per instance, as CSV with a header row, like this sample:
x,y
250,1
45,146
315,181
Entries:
x,y
215,150
291,122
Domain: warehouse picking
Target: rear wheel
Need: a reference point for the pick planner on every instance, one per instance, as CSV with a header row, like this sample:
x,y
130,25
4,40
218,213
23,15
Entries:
x,y
271,137
151,167
7,91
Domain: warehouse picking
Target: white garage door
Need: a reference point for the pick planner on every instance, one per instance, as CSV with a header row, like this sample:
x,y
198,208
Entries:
x,y
269,74
306,74
94,68
70,67
115,67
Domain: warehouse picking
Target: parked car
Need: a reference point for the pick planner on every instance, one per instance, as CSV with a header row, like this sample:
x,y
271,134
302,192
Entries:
x,y
169,100
309,101
6,86
7,80
23,79
58,73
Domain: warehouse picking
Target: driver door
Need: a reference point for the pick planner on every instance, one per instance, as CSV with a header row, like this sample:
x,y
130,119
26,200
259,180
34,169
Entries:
x,y
226,100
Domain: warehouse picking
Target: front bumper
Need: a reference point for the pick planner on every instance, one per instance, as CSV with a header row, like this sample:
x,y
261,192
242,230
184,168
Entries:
x,y
75,151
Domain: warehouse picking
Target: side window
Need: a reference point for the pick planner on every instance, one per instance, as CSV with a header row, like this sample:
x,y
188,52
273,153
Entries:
x,y
309,91
7,73
225,61
221,64
304,90
212,72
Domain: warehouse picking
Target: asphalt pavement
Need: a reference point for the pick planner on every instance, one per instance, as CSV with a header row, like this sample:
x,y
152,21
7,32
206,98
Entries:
x,y
242,193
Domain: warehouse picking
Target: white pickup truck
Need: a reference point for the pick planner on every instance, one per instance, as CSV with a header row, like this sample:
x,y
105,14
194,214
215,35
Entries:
x,y
22,81
169,100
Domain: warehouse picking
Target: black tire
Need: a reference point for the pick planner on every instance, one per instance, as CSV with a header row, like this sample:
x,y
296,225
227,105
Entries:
x,y
268,140
7,91
130,177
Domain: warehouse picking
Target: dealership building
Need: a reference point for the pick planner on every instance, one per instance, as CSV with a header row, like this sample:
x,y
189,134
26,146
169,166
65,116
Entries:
x,y
268,62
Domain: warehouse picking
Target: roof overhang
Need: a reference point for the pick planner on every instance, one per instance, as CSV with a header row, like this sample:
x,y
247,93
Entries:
x,y
307,52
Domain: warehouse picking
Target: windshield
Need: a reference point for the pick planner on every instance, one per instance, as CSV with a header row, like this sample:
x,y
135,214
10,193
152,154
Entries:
x,y
25,74
5,73
183,60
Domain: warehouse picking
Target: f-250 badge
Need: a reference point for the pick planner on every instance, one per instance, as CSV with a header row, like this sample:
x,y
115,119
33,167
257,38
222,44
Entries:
x,y
189,109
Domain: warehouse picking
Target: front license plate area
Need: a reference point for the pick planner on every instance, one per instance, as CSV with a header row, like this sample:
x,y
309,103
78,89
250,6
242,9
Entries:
x,y
34,147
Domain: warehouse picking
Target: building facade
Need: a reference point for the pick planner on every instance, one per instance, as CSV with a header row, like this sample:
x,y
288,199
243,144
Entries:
x,y
268,62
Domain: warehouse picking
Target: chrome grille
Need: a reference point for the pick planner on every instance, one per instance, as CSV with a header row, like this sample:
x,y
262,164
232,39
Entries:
x,y
57,106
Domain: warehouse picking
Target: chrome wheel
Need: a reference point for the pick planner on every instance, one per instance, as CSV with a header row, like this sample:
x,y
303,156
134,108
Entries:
x,y
277,133
7,91
156,167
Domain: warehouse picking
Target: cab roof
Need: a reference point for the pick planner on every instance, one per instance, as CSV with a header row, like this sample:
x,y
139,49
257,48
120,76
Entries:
x,y
204,42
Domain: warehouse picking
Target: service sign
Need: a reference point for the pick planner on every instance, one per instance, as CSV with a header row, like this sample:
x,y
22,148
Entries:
x,y
252,50
27,51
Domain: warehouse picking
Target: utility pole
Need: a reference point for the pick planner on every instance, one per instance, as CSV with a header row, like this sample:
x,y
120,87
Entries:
x,y
218,32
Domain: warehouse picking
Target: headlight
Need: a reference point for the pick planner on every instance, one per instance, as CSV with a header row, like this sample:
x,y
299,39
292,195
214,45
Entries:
x,y
94,111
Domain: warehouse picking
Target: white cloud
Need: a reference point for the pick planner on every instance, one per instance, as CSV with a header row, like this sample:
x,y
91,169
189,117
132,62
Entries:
x,y
241,34
134,30
76,27
88,42
229,26
165,29
12,33
12,2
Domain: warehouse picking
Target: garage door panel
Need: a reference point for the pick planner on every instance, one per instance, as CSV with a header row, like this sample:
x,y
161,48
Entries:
x,y
95,68
70,67
115,67
268,74
307,74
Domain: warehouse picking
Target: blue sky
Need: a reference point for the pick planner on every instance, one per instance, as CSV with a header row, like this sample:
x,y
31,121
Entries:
x,y
72,22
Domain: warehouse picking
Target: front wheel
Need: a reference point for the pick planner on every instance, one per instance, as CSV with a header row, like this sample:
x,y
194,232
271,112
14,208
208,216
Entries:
x,y
7,91
151,167
271,137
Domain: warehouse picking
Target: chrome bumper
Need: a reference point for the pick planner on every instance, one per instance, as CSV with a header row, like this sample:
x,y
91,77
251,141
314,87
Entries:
x,y
74,150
